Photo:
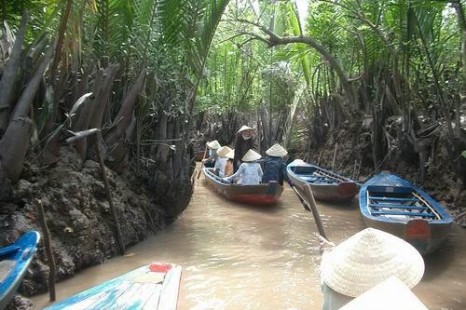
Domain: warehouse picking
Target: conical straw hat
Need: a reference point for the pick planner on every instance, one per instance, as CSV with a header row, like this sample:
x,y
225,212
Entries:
x,y
276,150
388,295
230,154
213,145
251,155
367,259
244,127
223,151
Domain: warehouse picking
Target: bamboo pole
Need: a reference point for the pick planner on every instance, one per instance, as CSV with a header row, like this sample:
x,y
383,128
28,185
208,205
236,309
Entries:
x,y
48,248
96,132
109,194
202,163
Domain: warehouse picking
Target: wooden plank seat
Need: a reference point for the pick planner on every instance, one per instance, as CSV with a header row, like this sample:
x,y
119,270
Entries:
x,y
415,214
395,206
384,198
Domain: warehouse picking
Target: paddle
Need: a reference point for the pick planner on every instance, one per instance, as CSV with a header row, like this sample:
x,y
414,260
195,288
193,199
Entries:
x,y
307,200
202,163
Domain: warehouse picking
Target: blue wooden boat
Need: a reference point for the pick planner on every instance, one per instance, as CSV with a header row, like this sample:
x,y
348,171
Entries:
x,y
153,286
14,262
393,204
325,185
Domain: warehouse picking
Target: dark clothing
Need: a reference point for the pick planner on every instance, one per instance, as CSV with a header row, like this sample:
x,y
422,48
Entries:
x,y
274,169
241,148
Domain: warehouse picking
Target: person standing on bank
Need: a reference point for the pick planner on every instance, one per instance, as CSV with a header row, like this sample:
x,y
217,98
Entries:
x,y
244,142
212,146
274,164
250,171
365,260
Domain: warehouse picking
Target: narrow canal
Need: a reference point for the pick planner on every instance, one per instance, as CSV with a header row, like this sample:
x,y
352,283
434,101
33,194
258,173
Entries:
x,y
240,257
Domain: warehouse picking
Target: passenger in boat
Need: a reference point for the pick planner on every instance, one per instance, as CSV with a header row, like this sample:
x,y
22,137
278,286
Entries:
x,y
229,164
212,146
363,261
249,172
244,142
220,163
274,164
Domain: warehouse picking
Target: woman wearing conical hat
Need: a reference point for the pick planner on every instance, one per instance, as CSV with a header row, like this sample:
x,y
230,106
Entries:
x,y
250,171
365,260
244,142
221,161
274,164
212,146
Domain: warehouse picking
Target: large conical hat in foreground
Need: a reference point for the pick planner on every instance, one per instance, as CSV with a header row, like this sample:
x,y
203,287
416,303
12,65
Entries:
x,y
251,155
369,258
213,145
243,128
276,150
223,151
389,295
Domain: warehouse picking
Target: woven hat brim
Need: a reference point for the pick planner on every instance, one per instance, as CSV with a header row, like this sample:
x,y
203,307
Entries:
x,y
243,128
277,151
388,295
213,145
223,151
251,155
351,270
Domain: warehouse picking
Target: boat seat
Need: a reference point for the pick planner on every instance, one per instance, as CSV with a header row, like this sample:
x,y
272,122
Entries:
x,y
393,198
395,206
416,214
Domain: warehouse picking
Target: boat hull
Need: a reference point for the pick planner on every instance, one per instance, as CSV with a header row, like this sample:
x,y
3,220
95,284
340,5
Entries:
x,y
262,194
154,286
14,261
410,213
342,189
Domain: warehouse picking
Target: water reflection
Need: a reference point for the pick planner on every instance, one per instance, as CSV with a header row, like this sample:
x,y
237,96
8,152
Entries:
x,y
241,257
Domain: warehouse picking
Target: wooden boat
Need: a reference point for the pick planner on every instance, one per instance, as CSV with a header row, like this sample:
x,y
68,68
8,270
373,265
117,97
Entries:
x,y
153,286
325,185
393,204
14,262
261,194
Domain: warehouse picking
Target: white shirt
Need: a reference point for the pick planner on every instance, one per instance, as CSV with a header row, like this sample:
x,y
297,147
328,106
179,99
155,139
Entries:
x,y
220,164
247,174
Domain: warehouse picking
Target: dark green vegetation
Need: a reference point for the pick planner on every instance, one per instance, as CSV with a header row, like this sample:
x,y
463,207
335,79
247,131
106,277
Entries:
x,y
359,85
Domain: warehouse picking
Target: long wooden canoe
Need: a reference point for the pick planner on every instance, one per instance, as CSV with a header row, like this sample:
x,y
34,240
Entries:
x,y
326,185
14,261
261,194
391,203
153,286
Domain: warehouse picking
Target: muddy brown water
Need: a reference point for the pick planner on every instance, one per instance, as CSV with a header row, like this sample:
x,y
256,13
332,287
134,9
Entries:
x,y
242,257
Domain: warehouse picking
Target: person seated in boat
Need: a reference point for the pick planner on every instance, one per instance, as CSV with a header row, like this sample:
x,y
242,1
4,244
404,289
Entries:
x,y
212,146
365,260
220,163
244,142
249,172
229,164
274,164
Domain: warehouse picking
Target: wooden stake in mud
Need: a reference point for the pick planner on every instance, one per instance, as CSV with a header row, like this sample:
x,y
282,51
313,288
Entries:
x,y
48,248
202,163
94,131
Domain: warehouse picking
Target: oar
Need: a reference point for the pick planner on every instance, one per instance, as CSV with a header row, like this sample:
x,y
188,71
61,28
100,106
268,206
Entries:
x,y
202,163
307,200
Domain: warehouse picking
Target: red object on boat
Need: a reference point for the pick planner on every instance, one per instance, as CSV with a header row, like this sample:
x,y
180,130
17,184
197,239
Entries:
x,y
158,267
